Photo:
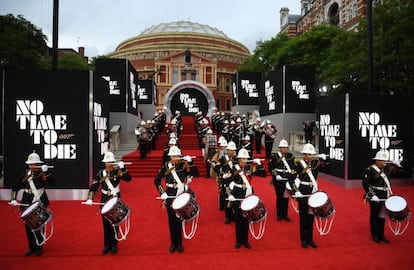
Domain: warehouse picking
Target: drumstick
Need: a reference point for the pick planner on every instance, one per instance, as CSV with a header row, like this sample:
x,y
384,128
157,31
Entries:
x,y
46,165
169,197
189,156
303,196
19,204
94,203
235,199
126,163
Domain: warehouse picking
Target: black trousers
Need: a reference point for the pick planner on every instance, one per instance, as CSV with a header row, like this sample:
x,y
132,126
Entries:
x,y
242,225
305,221
258,144
109,233
268,148
376,223
175,225
281,202
31,239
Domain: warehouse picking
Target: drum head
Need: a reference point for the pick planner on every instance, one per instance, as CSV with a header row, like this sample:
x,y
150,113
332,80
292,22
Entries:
x,y
395,203
181,200
249,202
30,209
317,199
109,204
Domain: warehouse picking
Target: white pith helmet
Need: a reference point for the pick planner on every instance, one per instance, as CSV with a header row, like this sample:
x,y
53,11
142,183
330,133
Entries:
x,y
231,146
308,149
243,153
172,141
174,151
223,143
246,138
283,143
109,157
381,155
33,158
142,122
221,138
172,135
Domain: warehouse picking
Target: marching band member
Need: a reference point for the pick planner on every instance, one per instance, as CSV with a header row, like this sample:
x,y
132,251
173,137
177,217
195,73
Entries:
x,y
241,187
215,161
224,169
175,173
109,179
246,144
258,134
269,131
377,189
307,169
143,138
281,166
33,181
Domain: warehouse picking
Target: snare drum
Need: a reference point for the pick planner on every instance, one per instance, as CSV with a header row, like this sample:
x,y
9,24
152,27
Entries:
x,y
253,208
36,216
185,206
115,210
397,208
321,204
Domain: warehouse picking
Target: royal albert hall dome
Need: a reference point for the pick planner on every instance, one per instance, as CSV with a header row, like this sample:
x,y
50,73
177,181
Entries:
x,y
160,49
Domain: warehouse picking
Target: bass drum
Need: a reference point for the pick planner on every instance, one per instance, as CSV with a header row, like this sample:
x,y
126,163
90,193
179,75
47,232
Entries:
x,y
36,216
253,208
115,210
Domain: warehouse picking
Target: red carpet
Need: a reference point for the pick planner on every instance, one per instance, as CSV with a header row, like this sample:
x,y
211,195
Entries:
x,y
77,239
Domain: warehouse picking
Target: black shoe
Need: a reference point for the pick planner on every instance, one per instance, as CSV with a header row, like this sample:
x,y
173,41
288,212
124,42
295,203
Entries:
x,y
384,239
105,250
376,239
172,248
114,250
279,218
312,244
180,249
39,252
304,244
247,245
287,218
227,221
237,245
28,253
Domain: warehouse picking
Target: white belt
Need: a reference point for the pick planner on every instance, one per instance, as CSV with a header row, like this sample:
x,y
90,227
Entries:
x,y
171,185
306,183
109,193
30,191
240,186
380,188
282,170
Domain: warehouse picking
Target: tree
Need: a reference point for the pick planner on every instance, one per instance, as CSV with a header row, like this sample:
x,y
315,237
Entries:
x,y
22,45
72,61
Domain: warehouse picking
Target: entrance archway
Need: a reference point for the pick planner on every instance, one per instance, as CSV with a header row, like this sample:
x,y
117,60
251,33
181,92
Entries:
x,y
189,97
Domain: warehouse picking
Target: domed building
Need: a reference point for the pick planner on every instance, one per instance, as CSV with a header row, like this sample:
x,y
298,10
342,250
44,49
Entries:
x,y
189,62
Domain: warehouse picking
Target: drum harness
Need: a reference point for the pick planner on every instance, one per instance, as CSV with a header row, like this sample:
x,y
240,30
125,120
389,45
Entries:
x,y
383,176
179,185
111,189
288,169
246,185
310,175
33,190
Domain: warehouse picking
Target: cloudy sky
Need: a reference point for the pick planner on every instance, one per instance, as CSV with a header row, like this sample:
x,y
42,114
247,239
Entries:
x,y
100,25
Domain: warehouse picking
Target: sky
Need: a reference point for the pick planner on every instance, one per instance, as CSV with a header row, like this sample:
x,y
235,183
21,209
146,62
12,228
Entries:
x,y
100,25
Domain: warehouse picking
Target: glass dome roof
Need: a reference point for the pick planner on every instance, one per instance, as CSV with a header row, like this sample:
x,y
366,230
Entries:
x,y
183,26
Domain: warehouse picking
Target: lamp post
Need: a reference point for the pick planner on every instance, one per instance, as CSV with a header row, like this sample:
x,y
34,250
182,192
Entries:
x,y
370,48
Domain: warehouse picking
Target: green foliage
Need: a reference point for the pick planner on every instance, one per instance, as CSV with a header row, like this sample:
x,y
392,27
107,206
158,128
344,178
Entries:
x,y
72,61
340,58
22,45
